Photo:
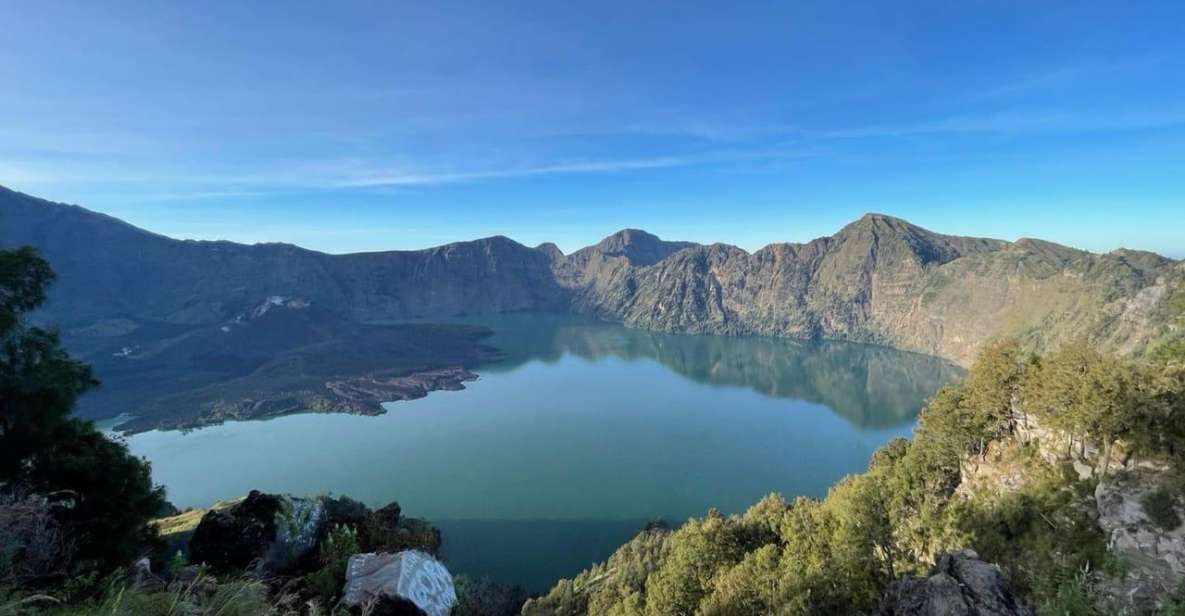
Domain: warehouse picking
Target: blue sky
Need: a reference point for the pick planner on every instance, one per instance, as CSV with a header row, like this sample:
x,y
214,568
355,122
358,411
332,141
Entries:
x,y
367,126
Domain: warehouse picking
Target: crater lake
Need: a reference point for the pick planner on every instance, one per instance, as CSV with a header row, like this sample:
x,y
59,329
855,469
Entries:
x,y
575,437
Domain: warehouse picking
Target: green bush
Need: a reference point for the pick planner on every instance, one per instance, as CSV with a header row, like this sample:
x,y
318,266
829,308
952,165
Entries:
x,y
1074,595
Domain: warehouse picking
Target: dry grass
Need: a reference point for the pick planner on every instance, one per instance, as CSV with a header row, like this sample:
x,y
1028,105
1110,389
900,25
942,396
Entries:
x,y
187,521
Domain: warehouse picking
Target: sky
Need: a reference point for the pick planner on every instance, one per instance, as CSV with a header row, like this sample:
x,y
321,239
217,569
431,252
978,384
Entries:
x,y
345,126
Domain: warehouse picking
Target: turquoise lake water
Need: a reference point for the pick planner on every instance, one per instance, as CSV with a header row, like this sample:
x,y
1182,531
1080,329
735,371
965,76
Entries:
x,y
564,448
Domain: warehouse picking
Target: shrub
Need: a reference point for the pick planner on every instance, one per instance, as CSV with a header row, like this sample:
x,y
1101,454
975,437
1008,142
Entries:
x,y
1074,596
32,544
336,549
484,597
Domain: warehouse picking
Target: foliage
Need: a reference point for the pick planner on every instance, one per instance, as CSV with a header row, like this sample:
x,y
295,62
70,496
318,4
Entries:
x,y
408,534
103,496
1173,607
243,597
32,544
176,564
1086,394
25,277
1036,533
202,596
838,554
1074,595
336,549
484,597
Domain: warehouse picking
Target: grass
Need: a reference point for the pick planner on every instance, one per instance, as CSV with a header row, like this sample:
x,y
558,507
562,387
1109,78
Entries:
x,y
187,521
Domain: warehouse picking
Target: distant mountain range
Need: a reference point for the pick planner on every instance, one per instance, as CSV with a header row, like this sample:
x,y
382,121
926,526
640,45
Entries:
x,y
879,279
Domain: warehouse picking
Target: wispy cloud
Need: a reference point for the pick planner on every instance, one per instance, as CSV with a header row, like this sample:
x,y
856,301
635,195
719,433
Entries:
x,y
351,173
566,168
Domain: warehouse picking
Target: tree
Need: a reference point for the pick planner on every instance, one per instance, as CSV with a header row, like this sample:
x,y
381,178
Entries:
x,y
1088,395
105,495
992,387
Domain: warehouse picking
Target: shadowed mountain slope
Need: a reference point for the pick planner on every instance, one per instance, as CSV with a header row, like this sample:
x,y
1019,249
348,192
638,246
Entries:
x,y
107,269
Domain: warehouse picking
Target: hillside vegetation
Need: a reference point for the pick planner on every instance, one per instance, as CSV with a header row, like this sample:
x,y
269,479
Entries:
x,y
1007,463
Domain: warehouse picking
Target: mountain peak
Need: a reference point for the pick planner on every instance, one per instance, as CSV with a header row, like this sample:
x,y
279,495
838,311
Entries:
x,y
877,232
638,246
873,220
551,250
627,237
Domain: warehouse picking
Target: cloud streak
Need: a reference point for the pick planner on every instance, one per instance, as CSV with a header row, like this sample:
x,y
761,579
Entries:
x,y
568,168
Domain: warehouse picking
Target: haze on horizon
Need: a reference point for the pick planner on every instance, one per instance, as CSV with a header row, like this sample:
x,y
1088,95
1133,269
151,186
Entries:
x,y
363,126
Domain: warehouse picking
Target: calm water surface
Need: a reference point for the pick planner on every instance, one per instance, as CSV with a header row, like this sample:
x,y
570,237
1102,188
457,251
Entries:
x,y
582,432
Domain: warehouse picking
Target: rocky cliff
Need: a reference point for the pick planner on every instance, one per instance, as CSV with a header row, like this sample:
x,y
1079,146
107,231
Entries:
x,y
884,280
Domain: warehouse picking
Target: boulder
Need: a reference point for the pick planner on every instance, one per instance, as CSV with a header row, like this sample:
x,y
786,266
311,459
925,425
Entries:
x,y
265,532
408,582
961,585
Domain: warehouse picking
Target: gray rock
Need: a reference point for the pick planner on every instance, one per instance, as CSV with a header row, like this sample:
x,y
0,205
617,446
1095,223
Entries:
x,y
393,580
1153,557
961,585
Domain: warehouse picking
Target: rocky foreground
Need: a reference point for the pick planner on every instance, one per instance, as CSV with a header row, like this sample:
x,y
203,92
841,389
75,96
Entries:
x,y
321,553
377,562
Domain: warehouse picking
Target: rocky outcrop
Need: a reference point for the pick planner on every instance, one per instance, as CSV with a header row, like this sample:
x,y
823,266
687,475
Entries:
x,y
408,583
961,585
1135,504
1146,535
278,533
264,532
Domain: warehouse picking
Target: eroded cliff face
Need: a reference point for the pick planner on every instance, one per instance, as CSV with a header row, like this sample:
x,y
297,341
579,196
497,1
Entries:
x,y
880,279
883,280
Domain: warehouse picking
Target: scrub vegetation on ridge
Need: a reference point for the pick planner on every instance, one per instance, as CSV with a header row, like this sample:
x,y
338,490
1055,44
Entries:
x,y
1033,515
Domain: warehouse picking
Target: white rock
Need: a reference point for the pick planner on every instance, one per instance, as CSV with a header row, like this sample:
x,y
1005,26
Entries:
x,y
411,575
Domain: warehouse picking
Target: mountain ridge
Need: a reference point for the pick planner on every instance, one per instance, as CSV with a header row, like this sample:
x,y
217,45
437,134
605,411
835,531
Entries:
x,y
878,279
